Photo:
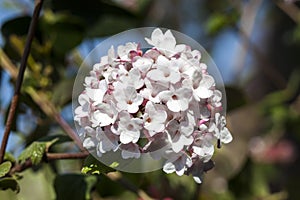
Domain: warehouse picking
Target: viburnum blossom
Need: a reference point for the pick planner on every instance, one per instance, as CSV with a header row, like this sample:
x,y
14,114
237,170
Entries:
x,y
160,101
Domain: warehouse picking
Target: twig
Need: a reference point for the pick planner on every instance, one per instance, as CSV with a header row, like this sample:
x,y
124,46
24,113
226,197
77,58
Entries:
x,y
52,112
49,157
268,67
113,176
197,192
14,103
117,177
65,126
57,156
291,10
6,64
41,100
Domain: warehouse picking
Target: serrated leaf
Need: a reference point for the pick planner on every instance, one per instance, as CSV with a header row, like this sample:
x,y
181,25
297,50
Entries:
x,y
4,168
66,184
9,183
35,151
93,166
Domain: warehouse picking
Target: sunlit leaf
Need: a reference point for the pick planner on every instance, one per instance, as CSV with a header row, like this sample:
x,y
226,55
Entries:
x,y
9,157
218,21
35,151
4,168
93,166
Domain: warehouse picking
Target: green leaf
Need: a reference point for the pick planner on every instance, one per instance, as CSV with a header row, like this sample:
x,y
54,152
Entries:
x,y
60,97
93,9
17,26
9,157
9,183
235,98
110,25
219,21
63,31
93,166
4,168
35,151
74,186
57,139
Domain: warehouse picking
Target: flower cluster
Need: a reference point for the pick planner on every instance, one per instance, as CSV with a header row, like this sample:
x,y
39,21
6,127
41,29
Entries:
x,y
162,96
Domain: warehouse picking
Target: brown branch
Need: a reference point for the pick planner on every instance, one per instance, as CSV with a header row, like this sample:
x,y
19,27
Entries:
x,y
19,167
268,67
51,111
14,103
290,9
41,100
57,156
71,133
113,176
6,64
117,177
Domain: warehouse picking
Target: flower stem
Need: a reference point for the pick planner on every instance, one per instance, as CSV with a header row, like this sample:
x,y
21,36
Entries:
x,y
14,103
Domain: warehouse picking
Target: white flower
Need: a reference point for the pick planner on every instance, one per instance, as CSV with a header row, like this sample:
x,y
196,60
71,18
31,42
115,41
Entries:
x,y
164,98
177,163
176,100
90,141
104,114
166,43
133,78
82,111
105,61
107,141
111,75
97,94
129,128
164,72
143,64
221,132
127,99
130,150
205,88
152,90
192,77
123,51
91,81
157,146
84,107
154,118
205,150
216,98
177,137
198,168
